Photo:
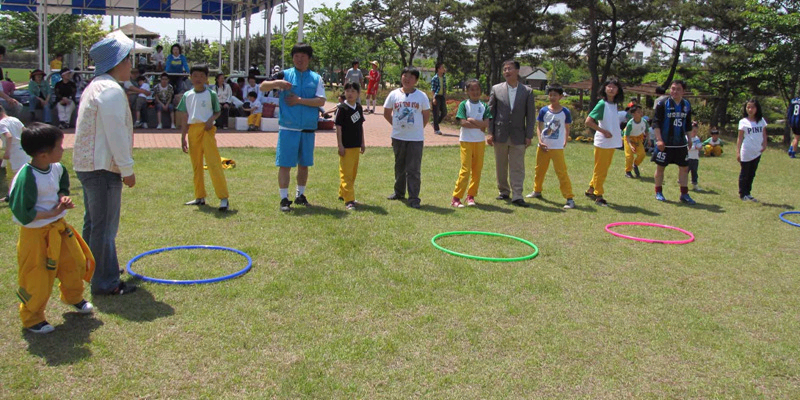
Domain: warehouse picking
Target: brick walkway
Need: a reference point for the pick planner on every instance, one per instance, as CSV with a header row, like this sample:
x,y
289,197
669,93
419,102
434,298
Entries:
x,y
377,133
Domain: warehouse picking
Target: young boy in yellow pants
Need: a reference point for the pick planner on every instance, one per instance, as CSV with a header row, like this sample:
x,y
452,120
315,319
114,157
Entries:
x,y
634,141
474,116
554,121
202,108
350,137
48,247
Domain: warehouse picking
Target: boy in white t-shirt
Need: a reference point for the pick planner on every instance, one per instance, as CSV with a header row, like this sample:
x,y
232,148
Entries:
x,y
408,110
474,116
145,96
14,157
633,139
202,108
695,145
554,121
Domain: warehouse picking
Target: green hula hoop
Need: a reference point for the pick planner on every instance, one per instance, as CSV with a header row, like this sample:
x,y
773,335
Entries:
x,y
455,253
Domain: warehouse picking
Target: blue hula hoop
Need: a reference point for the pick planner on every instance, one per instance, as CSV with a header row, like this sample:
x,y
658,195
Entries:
x,y
787,221
190,282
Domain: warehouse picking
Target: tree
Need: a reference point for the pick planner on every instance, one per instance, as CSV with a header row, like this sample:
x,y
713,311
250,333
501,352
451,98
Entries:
x,y
404,22
21,31
336,44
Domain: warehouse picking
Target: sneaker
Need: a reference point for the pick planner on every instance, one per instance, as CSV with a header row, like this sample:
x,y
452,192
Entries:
x,y
503,197
301,200
636,171
470,200
570,204
688,200
456,202
172,127
196,202
137,124
351,205
144,125
223,205
519,203
696,188
590,193
159,127
415,204
395,196
534,195
42,327
629,175
791,152
600,201
438,132
84,307
341,198
285,205
660,196
747,197
121,289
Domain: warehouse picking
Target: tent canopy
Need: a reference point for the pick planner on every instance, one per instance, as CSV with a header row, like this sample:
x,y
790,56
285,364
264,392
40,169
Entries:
x,y
138,49
178,9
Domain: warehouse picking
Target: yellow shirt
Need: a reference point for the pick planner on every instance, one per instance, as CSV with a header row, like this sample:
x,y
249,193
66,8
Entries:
x,y
55,65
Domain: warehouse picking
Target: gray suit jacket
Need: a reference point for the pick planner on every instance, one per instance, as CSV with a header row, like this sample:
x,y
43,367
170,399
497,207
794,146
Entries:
x,y
506,124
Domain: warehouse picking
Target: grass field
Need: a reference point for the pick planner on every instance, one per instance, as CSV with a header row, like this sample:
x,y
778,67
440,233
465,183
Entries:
x,y
360,305
18,75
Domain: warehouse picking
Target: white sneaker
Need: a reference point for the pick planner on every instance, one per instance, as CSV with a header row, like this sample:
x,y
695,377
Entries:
x,y
747,197
159,126
697,188
223,205
84,307
144,125
570,204
534,195
42,327
137,124
173,126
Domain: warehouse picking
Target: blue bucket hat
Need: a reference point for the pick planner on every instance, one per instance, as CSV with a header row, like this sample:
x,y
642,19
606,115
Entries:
x,y
107,53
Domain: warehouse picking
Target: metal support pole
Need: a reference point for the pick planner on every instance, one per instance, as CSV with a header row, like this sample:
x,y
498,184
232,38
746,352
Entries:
x,y
233,36
248,12
300,21
219,63
268,35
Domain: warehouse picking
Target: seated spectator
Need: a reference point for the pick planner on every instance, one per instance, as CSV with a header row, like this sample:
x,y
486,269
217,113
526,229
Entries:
x,y
158,58
65,92
39,91
224,95
142,100
162,94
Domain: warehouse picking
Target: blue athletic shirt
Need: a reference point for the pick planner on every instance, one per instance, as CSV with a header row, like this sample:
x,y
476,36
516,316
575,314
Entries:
x,y
793,113
306,85
674,120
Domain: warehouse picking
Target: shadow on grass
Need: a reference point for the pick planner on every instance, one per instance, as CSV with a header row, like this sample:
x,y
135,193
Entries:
x,y
361,207
646,179
139,306
318,210
714,208
216,212
707,191
781,206
534,204
435,209
628,209
65,345
493,208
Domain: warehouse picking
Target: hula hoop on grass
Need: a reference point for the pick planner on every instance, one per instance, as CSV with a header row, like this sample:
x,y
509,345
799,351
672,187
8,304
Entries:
x,y
638,239
190,282
528,257
787,221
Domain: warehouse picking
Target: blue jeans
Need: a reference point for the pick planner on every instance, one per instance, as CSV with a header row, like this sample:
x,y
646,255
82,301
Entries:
x,y
37,105
102,197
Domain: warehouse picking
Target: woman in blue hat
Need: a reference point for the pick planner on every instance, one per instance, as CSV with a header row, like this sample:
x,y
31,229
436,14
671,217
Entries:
x,y
103,159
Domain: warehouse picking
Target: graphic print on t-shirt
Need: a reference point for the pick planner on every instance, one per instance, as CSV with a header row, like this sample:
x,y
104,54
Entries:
x,y
355,117
405,116
551,127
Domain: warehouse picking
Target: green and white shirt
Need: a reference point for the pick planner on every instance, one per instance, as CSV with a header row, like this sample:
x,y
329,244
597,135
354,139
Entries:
x,y
607,117
200,106
34,190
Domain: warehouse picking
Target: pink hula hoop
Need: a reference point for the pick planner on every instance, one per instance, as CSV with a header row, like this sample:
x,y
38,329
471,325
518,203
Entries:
x,y
685,232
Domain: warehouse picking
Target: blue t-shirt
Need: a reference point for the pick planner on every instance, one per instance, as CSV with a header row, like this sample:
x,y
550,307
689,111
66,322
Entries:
x,y
674,120
793,113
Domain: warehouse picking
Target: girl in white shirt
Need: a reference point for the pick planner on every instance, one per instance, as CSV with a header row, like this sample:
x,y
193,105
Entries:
x,y
751,143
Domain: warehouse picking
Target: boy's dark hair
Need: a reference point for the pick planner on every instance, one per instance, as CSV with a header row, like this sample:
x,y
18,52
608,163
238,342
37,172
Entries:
x,y
679,82
163,74
303,48
2,50
472,82
240,79
714,130
355,62
555,87
180,49
141,70
251,76
660,90
759,114
59,55
353,85
619,98
438,65
40,138
410,70
141,78
634,108
199,68
159,47
341,96
252,94
514,62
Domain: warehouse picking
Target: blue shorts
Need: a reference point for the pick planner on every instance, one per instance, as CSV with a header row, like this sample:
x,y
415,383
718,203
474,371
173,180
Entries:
x,y
294,148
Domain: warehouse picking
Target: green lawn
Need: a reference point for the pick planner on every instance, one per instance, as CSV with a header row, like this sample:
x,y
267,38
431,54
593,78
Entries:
x,y
360,305
18,75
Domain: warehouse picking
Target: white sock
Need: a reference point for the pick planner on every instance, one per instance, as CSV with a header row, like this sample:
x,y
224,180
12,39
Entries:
x,y
284,193
300,190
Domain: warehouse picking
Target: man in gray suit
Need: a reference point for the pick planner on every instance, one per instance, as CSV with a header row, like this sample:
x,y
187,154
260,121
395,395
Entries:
x,y
511,131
